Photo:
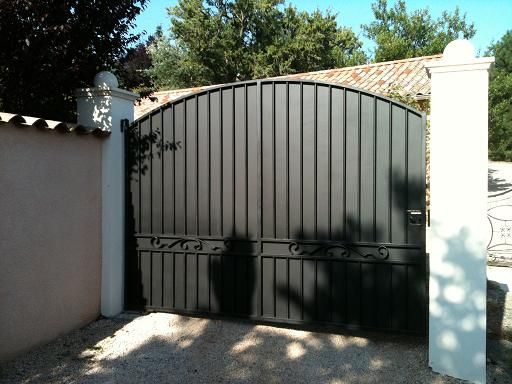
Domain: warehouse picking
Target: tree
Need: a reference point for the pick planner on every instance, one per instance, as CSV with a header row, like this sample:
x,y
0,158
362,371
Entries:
x,y
221,41
500,100
132,68
49,48
399,34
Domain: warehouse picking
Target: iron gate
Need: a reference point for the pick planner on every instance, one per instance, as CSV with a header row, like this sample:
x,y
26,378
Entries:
x,y
288,201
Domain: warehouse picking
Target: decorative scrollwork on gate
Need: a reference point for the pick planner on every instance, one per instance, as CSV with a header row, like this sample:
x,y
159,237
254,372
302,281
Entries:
x,y
193,244
337,249
499,247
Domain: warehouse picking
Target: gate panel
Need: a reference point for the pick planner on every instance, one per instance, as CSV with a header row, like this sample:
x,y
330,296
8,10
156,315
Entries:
x,y
281,201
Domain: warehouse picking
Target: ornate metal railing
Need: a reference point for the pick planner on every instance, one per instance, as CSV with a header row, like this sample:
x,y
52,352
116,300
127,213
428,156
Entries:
x,y
499,248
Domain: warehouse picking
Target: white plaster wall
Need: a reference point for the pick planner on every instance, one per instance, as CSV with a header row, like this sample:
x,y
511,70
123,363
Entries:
x,y
457,319
106,107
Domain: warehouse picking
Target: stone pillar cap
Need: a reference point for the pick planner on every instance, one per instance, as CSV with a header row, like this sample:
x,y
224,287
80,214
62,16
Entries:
x,y
106,79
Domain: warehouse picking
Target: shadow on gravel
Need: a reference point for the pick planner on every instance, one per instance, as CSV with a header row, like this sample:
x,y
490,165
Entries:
x,y
164,348
61,360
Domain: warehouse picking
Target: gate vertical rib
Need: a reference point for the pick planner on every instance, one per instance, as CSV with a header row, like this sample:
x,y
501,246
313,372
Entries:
x,y
221,156
345,167
233,161
315,164
185,147
246,165
209,179
259,224
406,199
139,285
274,189
375,169
150,144
197,163
301,150
329,165
287,145
359,167
162,196
390,173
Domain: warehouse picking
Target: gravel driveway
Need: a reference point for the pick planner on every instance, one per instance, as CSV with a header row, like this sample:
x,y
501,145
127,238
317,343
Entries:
x,y
165,348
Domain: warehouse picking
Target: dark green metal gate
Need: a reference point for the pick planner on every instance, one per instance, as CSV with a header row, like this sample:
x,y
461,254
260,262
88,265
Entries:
x,y
288,201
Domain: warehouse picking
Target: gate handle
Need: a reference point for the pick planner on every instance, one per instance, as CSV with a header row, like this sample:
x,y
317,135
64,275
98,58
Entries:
x,y
415,217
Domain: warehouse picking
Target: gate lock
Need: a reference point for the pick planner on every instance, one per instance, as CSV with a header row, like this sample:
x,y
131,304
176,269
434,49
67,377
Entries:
x,y
415,217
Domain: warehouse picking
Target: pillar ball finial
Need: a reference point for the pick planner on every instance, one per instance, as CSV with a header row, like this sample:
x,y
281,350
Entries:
x,y
459,50
105,79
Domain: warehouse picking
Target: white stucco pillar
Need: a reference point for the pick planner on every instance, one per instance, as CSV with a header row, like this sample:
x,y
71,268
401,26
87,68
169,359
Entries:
x,y
458,188
104,106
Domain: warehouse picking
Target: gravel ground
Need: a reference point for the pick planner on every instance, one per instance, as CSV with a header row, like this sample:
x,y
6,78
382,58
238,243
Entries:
x,y
499,311
165,348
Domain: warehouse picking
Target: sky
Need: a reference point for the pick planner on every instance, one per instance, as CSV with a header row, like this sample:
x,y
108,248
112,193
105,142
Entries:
x,y
492,18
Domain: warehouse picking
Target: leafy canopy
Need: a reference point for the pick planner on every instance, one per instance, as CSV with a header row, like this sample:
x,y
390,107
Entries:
x,y
399,34
500,100
51,47
221,41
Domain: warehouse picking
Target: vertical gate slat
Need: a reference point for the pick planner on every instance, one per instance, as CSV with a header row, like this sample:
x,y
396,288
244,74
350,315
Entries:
x,y
252,162
367,169
145,178
337,165
240,175
382,183
215,165
281,287
416,187
308,162
203,167
398,175
179,170
168,148
191,166
294,148
281,164
168,279
180,275
352,171
322,163
267,166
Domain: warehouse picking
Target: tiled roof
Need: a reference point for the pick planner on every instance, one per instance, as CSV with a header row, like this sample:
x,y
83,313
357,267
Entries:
x,y
406,76
27,121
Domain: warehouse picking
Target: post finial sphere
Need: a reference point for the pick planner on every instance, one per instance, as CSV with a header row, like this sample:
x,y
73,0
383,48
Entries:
x,y
105,79
459,50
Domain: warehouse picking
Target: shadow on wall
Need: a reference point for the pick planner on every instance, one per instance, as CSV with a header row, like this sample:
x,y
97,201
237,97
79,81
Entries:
x,y
463,297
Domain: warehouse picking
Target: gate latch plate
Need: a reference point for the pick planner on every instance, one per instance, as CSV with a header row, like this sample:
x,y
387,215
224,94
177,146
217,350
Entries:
x,y
415,217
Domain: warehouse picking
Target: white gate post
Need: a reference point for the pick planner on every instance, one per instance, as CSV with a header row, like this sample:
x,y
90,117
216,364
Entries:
x,y
458,190
104,106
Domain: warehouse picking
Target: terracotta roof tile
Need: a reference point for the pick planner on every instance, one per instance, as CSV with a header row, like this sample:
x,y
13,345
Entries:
x,y
408,75
28,121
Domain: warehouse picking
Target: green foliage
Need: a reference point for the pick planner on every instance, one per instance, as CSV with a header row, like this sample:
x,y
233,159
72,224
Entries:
x,y
500,100
223,41
132,67
399,34
49,48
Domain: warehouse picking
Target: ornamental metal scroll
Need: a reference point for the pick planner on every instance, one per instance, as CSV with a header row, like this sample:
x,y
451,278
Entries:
x,y
499,247
337,249
193,244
